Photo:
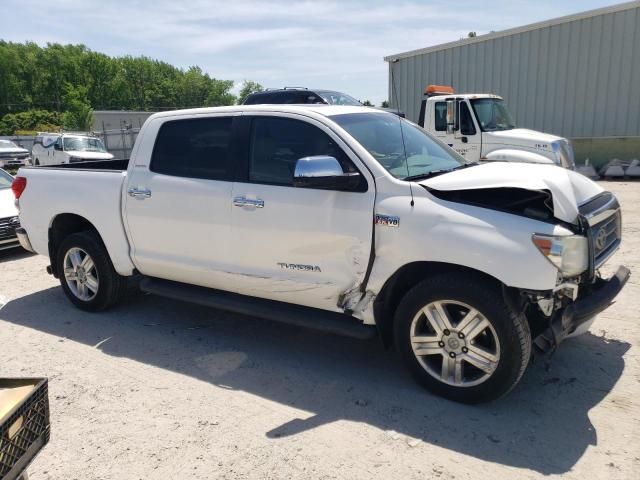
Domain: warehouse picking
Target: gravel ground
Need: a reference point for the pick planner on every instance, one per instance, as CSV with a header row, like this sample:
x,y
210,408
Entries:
x,y
158,389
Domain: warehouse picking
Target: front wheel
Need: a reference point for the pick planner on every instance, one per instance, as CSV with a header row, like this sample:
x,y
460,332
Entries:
x,y
460,339
86,273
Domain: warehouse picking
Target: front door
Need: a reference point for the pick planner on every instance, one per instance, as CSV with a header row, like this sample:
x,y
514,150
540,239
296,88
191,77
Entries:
x,y
298,245
178,207
466,138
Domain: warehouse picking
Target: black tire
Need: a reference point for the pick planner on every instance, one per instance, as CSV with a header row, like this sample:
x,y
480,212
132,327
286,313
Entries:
x,y
111,286
510,328
37,162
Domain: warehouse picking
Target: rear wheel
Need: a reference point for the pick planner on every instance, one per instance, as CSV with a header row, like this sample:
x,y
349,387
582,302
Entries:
x,y
460,339
86,273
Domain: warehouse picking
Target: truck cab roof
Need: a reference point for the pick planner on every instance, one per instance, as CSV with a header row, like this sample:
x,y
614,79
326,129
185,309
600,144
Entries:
x,y
320,109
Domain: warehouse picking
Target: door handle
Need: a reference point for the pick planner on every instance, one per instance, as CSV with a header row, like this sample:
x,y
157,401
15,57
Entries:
x,y
139,193
248,202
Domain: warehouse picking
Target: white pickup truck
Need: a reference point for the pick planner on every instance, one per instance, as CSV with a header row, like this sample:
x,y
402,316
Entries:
x,y
344,219
479,127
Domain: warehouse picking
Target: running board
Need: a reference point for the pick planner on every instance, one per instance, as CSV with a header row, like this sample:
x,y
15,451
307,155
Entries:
x,y
330,322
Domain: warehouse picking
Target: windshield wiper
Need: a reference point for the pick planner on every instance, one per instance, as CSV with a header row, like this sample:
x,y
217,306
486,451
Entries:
x,y
435,173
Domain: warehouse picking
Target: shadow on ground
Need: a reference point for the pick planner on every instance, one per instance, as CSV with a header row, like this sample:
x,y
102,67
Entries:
x,y
543,425
11,254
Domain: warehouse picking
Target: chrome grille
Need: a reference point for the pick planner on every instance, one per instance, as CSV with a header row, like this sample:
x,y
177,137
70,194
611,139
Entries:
x,y
8,227
605,237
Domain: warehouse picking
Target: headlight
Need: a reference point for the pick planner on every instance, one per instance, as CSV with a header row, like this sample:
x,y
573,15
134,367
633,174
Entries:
x,y
569,253
74,159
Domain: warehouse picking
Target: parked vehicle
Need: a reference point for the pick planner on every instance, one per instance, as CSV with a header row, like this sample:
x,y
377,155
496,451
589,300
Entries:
x,y
344,219
302,96
59,148
9,220
11,155
479,127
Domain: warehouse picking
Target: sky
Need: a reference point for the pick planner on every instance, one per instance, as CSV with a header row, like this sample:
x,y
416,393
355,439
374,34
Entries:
x,y
328,44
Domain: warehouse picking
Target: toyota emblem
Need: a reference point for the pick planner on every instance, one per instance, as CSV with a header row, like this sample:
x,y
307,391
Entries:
x,y
601,239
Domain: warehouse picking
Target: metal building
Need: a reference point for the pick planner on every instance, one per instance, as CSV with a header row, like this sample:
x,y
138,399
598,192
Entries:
x,y
576,76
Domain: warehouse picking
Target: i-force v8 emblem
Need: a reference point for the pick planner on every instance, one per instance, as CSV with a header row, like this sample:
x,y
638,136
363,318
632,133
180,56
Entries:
x,y
387,220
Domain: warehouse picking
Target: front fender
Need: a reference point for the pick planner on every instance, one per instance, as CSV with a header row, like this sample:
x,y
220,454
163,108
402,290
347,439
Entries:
x,y
515,155
495,243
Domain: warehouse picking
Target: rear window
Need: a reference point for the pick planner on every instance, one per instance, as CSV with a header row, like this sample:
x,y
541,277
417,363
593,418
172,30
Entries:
x,y
194,148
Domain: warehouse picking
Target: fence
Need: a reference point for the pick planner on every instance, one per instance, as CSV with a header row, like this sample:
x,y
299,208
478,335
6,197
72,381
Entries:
x,y
118,142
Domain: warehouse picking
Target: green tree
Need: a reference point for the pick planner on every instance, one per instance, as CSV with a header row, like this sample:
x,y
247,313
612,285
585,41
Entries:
x,y
78,112
367,103
248,87
385,104
30,121
73,80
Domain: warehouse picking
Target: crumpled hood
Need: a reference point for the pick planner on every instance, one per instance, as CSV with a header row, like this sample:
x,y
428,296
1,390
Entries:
x,y
90,155
568,189
517,136
7,205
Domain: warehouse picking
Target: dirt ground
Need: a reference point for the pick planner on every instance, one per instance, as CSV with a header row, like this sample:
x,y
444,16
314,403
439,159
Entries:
x,y
158,389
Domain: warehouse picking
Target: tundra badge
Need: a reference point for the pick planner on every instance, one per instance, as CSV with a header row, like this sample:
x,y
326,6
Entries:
x,y
299,267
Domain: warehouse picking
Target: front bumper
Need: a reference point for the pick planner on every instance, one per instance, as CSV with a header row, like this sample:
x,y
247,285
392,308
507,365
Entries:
x,y
13,162
589,303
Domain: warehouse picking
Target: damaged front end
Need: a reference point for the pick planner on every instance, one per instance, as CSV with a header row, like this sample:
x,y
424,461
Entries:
x,y
573,304
563,198
568,308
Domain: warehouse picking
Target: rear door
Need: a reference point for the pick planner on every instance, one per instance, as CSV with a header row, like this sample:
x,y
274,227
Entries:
x,y
178,206
298,245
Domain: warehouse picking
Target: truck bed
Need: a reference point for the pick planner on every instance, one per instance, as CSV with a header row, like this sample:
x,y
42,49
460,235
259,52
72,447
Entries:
x,y
89,190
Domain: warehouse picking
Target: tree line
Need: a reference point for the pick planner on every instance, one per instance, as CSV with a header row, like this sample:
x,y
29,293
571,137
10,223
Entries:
x,y
59,86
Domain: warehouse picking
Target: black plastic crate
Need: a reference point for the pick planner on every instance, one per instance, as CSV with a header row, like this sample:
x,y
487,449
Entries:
x,y
24,430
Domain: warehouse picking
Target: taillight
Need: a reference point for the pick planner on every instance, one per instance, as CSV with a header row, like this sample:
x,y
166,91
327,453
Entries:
x,y
18,186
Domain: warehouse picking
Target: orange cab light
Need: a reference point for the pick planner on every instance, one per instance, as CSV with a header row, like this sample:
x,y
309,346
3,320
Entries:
x,y
438,89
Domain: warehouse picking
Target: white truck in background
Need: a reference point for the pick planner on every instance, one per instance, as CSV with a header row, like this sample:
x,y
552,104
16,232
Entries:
x,y
340,218
479,127
60,148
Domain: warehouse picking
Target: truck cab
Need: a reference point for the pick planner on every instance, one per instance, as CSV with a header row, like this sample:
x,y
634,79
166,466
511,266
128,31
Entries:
x,y
479,126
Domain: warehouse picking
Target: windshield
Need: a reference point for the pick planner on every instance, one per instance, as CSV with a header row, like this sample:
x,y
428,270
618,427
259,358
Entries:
x,y
83,144
8,144
380,134
5,180
337,98
492,114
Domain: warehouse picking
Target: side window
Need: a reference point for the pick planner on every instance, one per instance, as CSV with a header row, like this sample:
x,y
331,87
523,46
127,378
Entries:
x,y
258,98
440,122
277,144
466,121
194,148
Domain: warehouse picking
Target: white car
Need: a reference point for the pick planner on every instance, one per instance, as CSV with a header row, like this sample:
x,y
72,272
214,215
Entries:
x,y
345,219
60,148
11,155
9,221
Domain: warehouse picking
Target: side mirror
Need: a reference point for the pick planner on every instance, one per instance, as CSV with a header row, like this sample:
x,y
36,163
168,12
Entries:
x,y
451,116
325,173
